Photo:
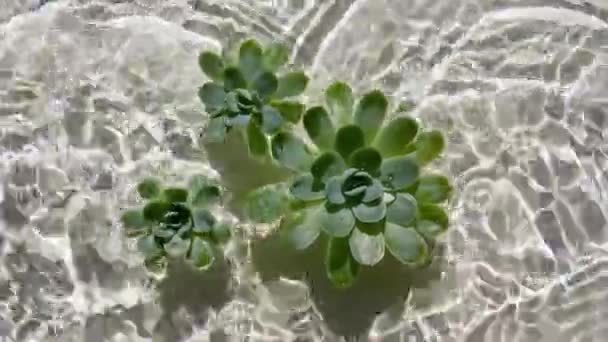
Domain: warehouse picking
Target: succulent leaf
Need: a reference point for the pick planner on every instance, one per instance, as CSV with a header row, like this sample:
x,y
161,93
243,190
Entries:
x,y
275,56
291,84
337,222
340,266
250,60
429,146
349,139
212,65
291,152
433,189
395,136
148,188
302,228
319,127
370,113
366,249
405,244
340,100
256,140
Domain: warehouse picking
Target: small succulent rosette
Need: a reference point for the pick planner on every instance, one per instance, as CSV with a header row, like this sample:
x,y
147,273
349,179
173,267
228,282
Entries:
x,y
246,92
177,223
361,185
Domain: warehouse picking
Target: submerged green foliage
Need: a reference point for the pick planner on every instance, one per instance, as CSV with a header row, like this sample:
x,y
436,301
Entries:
x,y
363,187
358,177
252,92
177,223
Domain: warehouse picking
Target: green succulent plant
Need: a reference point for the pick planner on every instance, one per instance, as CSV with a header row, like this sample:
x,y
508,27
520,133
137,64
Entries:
x,y
361,184
357,176
177,223
251,90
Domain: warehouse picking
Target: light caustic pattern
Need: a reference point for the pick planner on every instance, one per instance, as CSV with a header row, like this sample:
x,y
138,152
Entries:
x,y
95,95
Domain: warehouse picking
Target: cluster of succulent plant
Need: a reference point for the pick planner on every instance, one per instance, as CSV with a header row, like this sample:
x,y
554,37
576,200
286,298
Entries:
x,y
246,93
357,178
177,223
364,186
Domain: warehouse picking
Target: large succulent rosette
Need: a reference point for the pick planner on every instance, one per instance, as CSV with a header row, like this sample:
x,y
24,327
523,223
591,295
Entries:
x,y
361,184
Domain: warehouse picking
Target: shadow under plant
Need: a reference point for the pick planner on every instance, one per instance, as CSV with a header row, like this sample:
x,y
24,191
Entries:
x,y
185,289
350,311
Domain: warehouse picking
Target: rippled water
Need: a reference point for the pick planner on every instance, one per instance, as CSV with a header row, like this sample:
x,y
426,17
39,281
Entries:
x,y
96,94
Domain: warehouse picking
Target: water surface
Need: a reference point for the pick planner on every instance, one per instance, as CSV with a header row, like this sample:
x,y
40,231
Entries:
x,y
95,95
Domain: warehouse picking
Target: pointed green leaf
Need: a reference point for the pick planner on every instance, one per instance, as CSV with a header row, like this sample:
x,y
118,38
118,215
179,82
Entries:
x,y
203,220
402,210
148,246
213,96
212,65
201,254
366,249
367,159
333,191
177,247
340,266
256,140
216,130
319,127
290,110
370,113
203,191
268,203
234,79
265,84
432,220
291,84
429,229
302,228
221,233
348,139
291,152
250,59
327,165
133,222
394,137
174,195
305,188
370,213
338,222
405,244
429,146
275,56
148,188
340,100
433,189
155,211
399,172
271,120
